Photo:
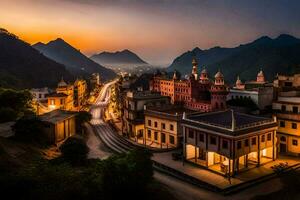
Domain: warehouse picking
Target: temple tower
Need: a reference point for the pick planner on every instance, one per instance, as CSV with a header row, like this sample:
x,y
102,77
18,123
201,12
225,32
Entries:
x,y
219,92
195,68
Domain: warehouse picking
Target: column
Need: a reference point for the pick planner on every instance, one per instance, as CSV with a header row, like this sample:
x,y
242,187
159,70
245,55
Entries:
x,y
258,151
273,145
196,140
184,146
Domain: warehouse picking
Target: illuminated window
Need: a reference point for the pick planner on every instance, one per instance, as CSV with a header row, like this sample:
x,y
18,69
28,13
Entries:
x,y
263,138
52,102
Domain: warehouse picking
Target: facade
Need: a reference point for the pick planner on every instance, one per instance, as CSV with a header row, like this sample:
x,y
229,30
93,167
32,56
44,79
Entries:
x,y
63,98
133,108
58,125
163,126
39,94
228,142
197,93
80,93
259,91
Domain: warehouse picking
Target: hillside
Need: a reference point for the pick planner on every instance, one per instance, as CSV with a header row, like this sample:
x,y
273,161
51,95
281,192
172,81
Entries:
x,y
76,62
21,66
120,59
274,56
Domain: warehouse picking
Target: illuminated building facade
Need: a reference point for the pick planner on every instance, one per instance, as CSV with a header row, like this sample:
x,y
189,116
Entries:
x,y
197,92
228,142
80,93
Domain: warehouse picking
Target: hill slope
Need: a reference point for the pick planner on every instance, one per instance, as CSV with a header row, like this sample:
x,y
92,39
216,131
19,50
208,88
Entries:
x,y
21,66
274,56
118,59
73,59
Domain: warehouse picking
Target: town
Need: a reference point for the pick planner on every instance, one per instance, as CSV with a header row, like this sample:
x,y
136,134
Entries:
x,y
213,124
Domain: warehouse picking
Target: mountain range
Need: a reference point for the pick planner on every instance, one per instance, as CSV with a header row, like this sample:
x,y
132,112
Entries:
x,y
22,66
279,55
120,59
76,62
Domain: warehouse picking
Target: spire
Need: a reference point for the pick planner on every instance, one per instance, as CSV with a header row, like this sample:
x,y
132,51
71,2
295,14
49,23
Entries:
x,y
233,122
195,68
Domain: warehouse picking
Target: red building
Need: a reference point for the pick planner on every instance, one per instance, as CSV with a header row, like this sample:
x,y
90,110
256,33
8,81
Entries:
x,y
196,92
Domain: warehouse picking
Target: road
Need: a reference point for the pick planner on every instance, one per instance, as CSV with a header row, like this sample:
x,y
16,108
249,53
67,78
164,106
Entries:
x,y
180,189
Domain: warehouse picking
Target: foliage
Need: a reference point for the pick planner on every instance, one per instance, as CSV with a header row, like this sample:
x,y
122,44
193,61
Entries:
x,y
14,104
74,150
127,174
81,118
29,129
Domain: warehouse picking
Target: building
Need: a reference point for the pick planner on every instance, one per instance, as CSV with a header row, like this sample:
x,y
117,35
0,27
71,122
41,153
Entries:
x,y
259,91
95,81
39,94
286,108
63,98
163,126
197,92
80,93
228,142
58,125
133,111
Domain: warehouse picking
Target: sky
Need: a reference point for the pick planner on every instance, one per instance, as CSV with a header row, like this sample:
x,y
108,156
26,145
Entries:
x,y
157,30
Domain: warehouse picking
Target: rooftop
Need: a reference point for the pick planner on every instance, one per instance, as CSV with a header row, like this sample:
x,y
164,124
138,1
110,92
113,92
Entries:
x,y
170,109
144,95
229,120
56,116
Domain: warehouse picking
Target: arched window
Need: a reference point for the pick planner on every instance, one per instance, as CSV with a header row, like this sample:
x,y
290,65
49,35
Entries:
x,y
217,105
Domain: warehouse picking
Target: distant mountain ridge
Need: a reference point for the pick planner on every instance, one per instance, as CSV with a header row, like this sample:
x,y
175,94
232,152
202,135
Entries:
x,y
118,58
279,55
22,66
73,59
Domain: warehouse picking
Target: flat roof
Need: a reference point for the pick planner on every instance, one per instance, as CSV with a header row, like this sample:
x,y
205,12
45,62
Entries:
x,y
56,116
56,95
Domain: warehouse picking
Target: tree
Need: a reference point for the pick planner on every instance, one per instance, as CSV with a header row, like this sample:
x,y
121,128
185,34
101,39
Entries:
x,y
74,150
81,118
29,128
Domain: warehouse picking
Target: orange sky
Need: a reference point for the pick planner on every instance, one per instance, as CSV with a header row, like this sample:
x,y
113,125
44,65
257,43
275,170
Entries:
x,y
157,31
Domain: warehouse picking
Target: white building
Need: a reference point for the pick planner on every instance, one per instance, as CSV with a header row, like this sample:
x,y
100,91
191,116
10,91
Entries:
x,y
39,94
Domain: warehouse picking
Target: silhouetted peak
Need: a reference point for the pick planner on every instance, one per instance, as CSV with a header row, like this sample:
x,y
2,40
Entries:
x,y
263,39
196,50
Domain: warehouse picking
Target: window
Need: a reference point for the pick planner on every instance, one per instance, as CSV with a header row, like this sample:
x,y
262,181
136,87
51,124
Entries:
x,y
163,125
155,135
295,142
213,140
294,125
149,134
246,142
269,136
155,124
191,134
163,138
263,138
171,127
52,102
40,96
282,123
224,144
282,138
253,141
295,109
61,102
283,108
239,144
201,137
172,140
149,122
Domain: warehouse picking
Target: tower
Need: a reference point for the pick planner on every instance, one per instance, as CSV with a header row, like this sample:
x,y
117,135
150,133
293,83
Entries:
x,y
204,76
239,84
219,92
260,77
195,68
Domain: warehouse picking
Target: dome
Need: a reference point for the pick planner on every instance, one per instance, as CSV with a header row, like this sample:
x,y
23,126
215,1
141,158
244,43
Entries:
x,y
62,83
219,75
204,71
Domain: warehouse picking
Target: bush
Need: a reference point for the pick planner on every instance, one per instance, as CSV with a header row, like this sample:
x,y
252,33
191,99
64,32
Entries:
x,y
29,129
81,118
7,114
74,150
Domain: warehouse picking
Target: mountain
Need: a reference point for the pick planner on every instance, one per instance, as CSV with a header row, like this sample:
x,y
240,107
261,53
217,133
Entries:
x,y
121,59
77,63
21,66
279,55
